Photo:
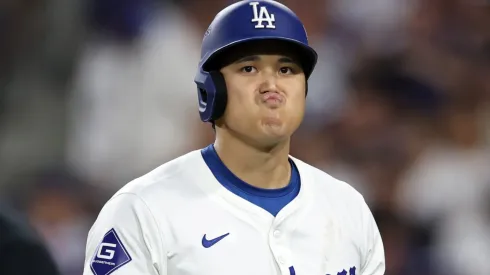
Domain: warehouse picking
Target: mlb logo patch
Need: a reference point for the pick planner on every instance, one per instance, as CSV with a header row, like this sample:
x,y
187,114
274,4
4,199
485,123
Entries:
x,y
109,255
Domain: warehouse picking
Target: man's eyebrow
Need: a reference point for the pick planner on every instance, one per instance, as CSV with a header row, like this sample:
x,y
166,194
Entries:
x,y
286,60
248,59
257,58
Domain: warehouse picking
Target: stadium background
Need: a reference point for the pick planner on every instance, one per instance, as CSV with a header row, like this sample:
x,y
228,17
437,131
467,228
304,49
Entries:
x,y
96,92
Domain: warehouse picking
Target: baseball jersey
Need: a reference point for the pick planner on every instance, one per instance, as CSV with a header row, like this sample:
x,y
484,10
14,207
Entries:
x,y
179,219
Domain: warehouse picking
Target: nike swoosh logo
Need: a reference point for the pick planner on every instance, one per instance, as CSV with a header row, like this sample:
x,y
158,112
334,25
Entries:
x,y
208,243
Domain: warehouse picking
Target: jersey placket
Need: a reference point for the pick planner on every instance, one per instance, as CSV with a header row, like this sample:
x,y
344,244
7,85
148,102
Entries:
x,y
284,226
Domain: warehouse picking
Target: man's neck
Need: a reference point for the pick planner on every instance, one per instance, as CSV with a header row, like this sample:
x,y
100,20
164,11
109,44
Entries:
x,y
268,169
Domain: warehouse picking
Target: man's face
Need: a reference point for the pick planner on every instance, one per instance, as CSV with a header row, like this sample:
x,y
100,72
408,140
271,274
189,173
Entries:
x,y
266,94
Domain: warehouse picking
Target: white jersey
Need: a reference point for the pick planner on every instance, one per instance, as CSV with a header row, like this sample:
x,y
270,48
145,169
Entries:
x,y
179,220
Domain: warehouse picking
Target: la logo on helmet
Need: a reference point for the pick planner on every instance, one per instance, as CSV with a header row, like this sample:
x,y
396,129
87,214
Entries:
x,y
261,16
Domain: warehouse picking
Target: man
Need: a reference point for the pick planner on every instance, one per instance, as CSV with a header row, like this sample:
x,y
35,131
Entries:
x,y
241,205
21,251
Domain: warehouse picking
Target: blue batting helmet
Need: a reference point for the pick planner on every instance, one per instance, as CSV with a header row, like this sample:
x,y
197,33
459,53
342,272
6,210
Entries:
x,y
242,22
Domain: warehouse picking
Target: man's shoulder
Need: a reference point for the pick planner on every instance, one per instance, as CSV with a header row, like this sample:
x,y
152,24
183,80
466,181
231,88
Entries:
x,y
335,196
327,185
174,174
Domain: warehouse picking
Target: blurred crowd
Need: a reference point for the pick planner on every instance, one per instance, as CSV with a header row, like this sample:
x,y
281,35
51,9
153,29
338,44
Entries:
x,y
94,93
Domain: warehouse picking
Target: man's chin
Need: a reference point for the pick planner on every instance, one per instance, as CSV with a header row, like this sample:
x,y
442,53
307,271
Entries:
x,y
274,133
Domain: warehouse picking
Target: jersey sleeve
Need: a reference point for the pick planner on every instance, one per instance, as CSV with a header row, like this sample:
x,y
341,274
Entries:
x,y
125,240
373,256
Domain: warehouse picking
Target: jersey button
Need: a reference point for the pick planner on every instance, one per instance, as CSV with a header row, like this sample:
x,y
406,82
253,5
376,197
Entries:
x,y
277,233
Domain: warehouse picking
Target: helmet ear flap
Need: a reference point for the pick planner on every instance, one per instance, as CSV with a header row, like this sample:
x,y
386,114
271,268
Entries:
x,y
221,96
212,95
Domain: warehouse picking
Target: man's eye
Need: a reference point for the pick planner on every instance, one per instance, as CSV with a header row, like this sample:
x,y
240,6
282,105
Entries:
x,y
286,70
248,69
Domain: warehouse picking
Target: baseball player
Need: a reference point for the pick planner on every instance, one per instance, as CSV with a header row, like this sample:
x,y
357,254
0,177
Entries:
x,y
242,205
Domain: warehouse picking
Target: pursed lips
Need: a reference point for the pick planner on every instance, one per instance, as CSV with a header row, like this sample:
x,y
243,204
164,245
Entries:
x,y
272,98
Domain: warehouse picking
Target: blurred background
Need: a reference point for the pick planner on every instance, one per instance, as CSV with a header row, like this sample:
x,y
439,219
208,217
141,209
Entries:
x,y
94,93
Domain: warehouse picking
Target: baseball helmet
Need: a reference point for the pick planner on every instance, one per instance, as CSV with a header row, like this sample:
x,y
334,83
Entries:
x,y
244,22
